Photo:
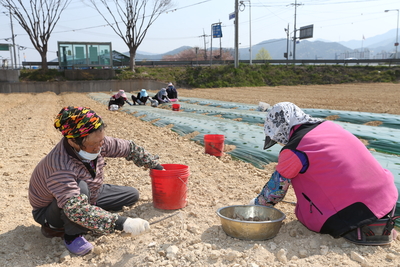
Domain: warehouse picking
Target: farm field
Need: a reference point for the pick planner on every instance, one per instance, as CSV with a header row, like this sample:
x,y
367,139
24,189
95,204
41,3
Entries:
x,y
27,135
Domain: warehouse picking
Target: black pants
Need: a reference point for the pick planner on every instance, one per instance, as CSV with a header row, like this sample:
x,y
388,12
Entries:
x,y
111,198
143,100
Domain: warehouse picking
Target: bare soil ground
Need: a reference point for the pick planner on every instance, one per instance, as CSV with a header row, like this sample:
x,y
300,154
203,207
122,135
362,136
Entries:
x,y
194,237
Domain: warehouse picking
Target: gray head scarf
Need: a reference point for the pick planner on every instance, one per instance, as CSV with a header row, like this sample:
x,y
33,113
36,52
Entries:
x,y
163,91
280,120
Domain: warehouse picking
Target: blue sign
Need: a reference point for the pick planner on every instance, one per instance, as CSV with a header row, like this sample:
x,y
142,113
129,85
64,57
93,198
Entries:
x,y
217,32
232,15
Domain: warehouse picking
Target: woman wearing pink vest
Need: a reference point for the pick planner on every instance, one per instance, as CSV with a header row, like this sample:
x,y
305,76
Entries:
x,y
341,188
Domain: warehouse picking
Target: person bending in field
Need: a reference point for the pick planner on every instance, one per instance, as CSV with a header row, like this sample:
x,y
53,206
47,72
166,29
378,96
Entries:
x,y
118,100
172,92
162,96
341,189
67,190
141,97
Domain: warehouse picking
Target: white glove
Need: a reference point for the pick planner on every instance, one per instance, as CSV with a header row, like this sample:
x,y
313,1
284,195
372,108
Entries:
x,y
252,202
135,226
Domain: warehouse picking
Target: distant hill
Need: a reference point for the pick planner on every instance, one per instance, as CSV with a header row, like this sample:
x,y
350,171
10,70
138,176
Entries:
x,y
153,57
145,53
276,48
382,40
305,49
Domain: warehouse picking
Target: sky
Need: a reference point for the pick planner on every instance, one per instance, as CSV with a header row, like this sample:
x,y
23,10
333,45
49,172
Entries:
x,y
189,22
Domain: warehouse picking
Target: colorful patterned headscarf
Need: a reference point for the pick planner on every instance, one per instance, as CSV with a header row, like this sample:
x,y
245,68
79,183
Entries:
x,y
280,120
74,122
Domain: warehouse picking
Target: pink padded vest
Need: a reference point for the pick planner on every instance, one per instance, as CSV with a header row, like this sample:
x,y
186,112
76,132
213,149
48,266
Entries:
x,y
344,186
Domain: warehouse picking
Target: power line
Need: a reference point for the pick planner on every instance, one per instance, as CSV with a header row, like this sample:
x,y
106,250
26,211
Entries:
x,y
315,2
105,25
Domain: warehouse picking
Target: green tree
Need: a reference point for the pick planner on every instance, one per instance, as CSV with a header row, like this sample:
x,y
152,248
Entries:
x,y
263,54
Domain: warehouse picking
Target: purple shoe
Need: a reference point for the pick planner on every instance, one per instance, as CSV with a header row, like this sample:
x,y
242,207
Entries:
x,y
80,246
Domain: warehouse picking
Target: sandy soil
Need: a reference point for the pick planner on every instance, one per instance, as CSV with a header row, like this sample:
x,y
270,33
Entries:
x,y
194,237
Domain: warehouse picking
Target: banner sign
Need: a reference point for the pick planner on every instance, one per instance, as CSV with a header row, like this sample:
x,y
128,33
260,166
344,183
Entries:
x,y
4,47
306,31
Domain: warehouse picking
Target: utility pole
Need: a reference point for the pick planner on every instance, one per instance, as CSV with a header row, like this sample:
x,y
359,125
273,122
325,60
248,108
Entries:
x,y
205,47
197,59
220,47
211,44
396,44
13,41
295,30
236,33
244,6
251,55
215,33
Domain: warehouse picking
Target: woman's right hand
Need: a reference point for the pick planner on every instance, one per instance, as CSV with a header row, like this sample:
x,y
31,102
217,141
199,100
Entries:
x,y
136,226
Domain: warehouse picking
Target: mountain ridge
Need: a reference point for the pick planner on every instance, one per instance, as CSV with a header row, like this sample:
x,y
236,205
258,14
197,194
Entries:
x,y
379,45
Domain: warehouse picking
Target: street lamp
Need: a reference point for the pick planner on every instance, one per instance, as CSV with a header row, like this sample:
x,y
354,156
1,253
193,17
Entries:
x,y
20,47
396,44
287,42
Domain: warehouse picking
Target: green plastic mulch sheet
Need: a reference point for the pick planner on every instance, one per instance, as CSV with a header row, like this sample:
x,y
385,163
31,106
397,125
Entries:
x,y
380,138
247,138
242,126
388,120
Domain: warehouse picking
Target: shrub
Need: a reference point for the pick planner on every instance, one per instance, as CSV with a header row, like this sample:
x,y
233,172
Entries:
x,y
244,75
41,76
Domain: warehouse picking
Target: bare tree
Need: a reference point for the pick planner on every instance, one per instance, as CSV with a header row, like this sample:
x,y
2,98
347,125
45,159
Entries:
x,y
131,19
38,19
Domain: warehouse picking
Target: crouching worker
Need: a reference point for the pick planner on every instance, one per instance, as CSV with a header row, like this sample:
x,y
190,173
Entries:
x,y
66,189
172,92
141,97
162,97
341,189
118,100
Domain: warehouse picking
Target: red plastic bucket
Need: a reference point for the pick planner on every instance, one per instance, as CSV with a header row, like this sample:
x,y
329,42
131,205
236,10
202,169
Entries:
x,y
169,186
214,144
175,107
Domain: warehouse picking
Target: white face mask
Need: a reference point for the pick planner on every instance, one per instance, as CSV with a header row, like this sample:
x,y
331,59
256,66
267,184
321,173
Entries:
x,y
88,156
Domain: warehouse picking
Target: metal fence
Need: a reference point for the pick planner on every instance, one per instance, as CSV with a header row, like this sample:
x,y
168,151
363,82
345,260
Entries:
x,y
194,63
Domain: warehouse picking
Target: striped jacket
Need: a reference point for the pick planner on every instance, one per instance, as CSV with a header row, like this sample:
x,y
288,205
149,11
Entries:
x,y
57,174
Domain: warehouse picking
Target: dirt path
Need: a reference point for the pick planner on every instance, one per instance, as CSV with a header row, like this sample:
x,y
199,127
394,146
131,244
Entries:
x,y
27,135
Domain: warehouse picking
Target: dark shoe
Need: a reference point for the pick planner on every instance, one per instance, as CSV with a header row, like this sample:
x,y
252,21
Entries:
x,y
374,234
79,246
51,232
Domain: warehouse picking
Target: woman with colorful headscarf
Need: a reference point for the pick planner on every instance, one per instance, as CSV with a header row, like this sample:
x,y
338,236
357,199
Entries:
x,y
141,97
66,189
118,100
341,189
